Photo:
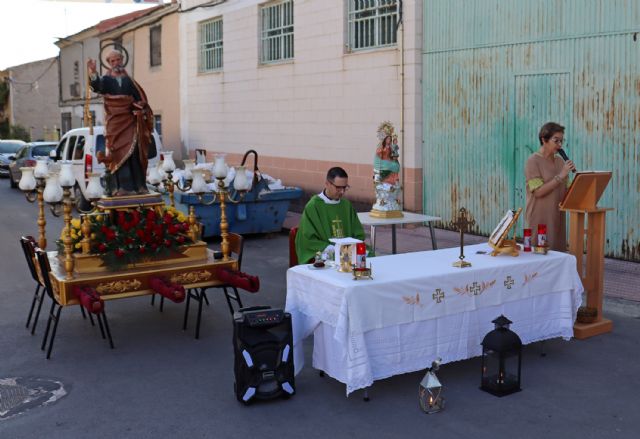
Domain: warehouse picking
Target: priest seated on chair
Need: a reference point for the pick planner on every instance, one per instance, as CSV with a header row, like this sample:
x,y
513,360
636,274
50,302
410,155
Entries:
x,y
327,215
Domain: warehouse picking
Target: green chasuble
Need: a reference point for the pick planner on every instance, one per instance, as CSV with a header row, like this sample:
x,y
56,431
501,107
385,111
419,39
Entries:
x,y
314,230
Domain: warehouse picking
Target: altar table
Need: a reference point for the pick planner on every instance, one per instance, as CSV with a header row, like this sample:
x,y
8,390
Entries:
x,y
418,308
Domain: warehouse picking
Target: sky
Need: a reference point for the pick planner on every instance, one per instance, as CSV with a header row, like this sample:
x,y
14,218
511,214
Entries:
x,y
29,28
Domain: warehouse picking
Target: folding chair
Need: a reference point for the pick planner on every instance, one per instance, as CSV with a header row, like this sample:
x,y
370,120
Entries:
x,y
236,246
56,307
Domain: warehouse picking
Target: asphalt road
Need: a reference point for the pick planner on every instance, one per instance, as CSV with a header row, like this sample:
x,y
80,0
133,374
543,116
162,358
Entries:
x,y
160,382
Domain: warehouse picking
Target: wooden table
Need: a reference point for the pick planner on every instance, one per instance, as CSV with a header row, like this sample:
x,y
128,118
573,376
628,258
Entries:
x,y
407,218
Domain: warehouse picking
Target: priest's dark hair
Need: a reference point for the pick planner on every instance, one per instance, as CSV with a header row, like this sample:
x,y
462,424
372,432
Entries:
x,y
548,130
336,171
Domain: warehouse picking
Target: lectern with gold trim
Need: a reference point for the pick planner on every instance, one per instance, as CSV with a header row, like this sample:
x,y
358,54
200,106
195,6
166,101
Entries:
x,y
580,201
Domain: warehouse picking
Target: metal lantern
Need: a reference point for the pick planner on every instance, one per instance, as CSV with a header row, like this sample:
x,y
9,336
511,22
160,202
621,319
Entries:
x,y
501,359
430,393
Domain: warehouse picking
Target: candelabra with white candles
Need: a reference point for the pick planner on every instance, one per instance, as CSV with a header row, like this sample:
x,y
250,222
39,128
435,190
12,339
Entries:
x,y
194,179
51,183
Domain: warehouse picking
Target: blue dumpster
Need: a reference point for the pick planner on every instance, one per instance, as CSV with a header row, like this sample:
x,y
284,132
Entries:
x,y
262,213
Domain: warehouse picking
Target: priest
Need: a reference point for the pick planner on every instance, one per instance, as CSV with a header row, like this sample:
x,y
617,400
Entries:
x,y
318,224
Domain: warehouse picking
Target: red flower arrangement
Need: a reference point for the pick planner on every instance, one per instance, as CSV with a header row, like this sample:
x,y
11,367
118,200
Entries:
x,y
138,235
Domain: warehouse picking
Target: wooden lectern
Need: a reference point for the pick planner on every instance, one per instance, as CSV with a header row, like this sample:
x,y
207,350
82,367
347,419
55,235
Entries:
x,y
580,201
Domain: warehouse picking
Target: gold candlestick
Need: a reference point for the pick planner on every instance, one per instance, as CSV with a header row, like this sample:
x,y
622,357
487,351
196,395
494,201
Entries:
x,y
224,225
170,188
462,223
42,222
194,230
68,245
86,232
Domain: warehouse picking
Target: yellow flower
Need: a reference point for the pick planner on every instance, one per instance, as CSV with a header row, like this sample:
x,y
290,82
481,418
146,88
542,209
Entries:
x,y
181,217
75,223
78,245
93,236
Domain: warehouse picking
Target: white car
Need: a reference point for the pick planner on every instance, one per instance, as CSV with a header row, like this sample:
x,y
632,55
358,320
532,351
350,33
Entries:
x,y
81,148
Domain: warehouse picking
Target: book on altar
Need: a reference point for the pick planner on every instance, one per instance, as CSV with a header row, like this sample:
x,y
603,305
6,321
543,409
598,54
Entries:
x,y
345,250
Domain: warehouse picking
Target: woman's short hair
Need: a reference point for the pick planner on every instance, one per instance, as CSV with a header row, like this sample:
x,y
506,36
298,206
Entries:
x,y
548,130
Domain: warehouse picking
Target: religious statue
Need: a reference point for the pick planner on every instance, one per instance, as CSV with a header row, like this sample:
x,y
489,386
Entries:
x,y
128,127
386,174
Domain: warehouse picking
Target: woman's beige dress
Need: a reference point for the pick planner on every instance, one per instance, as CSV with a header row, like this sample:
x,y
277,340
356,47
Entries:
x,y
544,210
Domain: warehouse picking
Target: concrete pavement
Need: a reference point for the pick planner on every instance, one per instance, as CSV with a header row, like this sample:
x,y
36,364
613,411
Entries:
x,y
159,382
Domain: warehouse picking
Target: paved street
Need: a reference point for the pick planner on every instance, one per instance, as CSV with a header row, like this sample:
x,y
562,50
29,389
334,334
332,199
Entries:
x,y
159,382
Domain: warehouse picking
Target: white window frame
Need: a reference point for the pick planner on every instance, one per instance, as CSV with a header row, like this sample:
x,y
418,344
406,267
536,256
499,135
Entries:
x,y
210,45
371,24
276,32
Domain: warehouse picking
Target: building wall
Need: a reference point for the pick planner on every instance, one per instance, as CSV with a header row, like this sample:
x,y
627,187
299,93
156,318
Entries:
x,y
160,83
318,110
34,97
72,59
488,90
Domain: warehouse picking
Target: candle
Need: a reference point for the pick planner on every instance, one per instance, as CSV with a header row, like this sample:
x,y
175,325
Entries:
x,y
168,165
188,167
41,170
27,181
94,188
220,167
52,190
67,179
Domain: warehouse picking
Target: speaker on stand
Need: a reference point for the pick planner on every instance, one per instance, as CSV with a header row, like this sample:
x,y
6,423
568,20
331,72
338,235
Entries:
x,y
263,348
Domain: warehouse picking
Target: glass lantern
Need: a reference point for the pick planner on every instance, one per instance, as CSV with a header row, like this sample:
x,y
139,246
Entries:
x,y
430,391
501,359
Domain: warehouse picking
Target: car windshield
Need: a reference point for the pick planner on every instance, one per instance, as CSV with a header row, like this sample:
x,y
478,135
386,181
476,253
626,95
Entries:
x,y
10,147
42,150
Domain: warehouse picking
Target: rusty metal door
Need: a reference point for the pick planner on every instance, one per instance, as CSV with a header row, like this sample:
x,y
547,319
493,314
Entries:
x,y
540,97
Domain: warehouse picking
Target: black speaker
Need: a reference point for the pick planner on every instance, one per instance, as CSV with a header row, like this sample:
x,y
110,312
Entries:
x,y
263,348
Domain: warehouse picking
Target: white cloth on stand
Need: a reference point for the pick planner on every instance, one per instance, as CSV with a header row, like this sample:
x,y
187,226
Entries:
x,y
419,307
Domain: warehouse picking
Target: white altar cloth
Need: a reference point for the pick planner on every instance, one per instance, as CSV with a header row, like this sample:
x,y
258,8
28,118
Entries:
x,y
418,307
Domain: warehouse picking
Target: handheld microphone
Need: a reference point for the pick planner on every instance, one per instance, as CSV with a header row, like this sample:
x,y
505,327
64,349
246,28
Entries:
x,y
564,157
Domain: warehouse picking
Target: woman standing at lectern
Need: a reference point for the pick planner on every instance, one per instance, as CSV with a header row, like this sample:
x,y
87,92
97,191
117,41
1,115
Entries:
x,y
547,181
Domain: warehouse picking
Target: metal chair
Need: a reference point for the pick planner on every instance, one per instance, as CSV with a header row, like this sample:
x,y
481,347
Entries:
x,y
28,245
236,246
56,307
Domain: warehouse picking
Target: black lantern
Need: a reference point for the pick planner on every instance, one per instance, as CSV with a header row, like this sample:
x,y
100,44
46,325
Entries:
x,y
501,359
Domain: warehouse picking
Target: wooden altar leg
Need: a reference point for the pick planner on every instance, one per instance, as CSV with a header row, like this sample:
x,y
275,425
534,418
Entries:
x,y
594,277
576,240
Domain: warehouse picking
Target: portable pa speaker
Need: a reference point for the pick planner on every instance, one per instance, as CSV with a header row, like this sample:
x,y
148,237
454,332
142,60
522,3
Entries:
x,y
263,347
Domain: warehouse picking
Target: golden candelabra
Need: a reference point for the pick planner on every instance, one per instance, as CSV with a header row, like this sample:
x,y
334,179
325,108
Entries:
x,y
222,195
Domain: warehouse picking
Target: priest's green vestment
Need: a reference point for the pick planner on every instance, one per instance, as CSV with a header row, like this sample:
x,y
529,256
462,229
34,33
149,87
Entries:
x,y
314,230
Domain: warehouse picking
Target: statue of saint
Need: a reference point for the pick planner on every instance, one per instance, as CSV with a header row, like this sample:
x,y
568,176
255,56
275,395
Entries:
x,y
386,174
129,126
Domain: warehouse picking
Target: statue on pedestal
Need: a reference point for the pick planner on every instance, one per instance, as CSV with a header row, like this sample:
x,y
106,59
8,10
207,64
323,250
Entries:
x,y
386,174
129,126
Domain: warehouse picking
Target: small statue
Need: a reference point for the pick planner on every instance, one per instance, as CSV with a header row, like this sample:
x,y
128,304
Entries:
x,y
386,174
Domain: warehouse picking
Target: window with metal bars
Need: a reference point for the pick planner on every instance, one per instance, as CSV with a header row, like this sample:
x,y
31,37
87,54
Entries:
x,y
155,46
277,31
372,23
210,45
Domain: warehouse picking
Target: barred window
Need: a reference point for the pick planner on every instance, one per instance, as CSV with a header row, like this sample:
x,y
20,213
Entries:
x,y
372,23
155,46
277,31
210,45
